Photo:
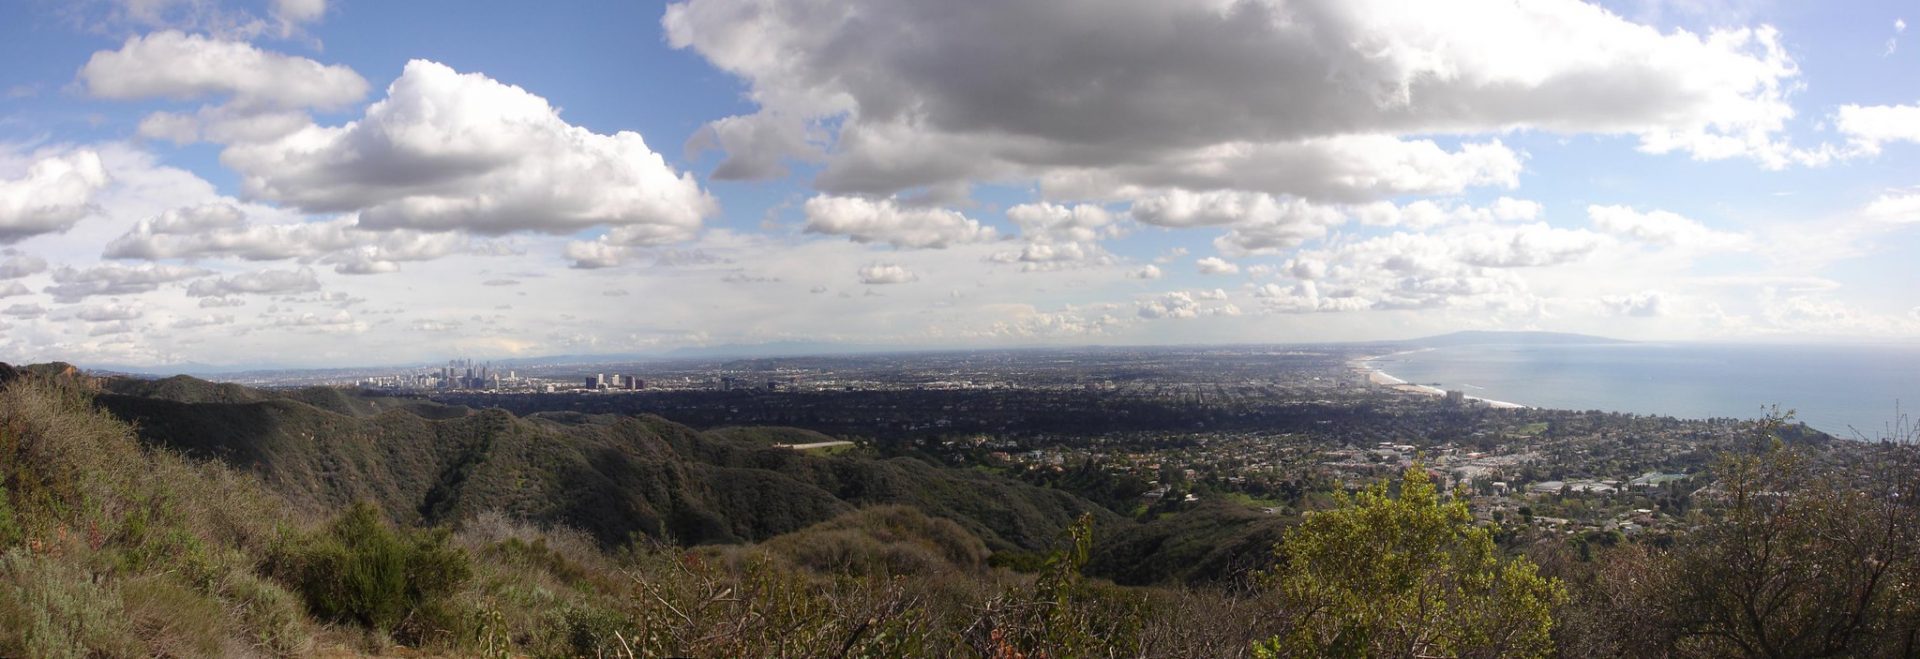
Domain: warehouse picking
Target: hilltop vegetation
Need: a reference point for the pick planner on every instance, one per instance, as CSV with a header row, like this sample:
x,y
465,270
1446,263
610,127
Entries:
x,y
226,521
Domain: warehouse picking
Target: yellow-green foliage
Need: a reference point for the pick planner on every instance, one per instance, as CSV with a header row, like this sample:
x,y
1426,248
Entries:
x,y
1409,576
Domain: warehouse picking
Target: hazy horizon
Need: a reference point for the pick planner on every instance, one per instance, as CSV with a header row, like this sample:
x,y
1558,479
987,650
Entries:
x,y
306,183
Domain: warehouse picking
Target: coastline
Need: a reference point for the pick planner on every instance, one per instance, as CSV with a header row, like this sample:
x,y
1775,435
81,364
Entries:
x,y
1381,378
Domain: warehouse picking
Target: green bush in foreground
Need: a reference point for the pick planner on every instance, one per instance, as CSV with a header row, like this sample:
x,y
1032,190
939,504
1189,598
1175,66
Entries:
x,y
360,570
1409,576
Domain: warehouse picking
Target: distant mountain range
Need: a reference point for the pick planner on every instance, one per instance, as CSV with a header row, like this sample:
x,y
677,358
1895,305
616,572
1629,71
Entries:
x,y
1486,337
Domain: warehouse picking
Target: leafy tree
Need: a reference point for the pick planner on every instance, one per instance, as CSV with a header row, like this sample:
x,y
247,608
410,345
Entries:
x,y
1408,576
1792,560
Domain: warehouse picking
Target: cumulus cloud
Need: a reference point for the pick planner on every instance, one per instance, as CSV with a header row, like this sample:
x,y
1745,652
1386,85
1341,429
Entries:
x,y
1148,271
1054,222
1524,246
1870,127
14,289
1343,168
1894,208
299,11
1663,228
1260,223
1644,304
209,320
172,64
1469,266
1038,256
886,273
21,265
1214,265
264,282
73,284
885,221
56,192
109,312
595,254
1162,94
219,229
1177,304
1305,297
340,322
450,151
24,311
1427,214
267,93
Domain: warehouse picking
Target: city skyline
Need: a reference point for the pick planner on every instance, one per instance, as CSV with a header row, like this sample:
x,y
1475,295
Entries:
x,y
299,183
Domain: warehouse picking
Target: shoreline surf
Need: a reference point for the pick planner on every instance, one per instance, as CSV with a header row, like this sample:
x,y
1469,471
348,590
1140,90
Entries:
x,y
1379,377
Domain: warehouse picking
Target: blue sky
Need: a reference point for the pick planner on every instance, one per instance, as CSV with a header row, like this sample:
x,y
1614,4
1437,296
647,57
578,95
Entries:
x,y
307,182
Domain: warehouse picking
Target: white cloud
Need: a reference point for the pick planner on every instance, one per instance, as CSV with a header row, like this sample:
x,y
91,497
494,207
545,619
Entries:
x,y
24,311
1644,304
14,289
109,312
1663,228
220,229
1177,304
56,192
1039,256
885,221
1895,208
73,284
264,282
595,254
340,322
1527,245
21,265
210,320
1148,271
1260,223
886,273
1341,168
1054,222
1305,297
299,11
450,151
1868,128
1426,213
1214,265
181,66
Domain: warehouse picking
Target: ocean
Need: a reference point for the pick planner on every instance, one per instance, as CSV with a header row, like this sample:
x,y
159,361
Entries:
x,y
1847,391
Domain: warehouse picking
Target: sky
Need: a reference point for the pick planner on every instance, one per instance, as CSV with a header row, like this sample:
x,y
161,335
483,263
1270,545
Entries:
x,y
337,182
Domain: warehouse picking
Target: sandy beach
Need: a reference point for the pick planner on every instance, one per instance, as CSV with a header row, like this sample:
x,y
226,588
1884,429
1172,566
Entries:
x,y
1384,379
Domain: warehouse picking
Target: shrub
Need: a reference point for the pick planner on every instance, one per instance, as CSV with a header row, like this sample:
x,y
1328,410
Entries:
x,y
360,570
270,616
1409,575
173,620
55,610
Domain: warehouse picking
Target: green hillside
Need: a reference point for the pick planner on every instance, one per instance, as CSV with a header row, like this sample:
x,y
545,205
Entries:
x,y
612,477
